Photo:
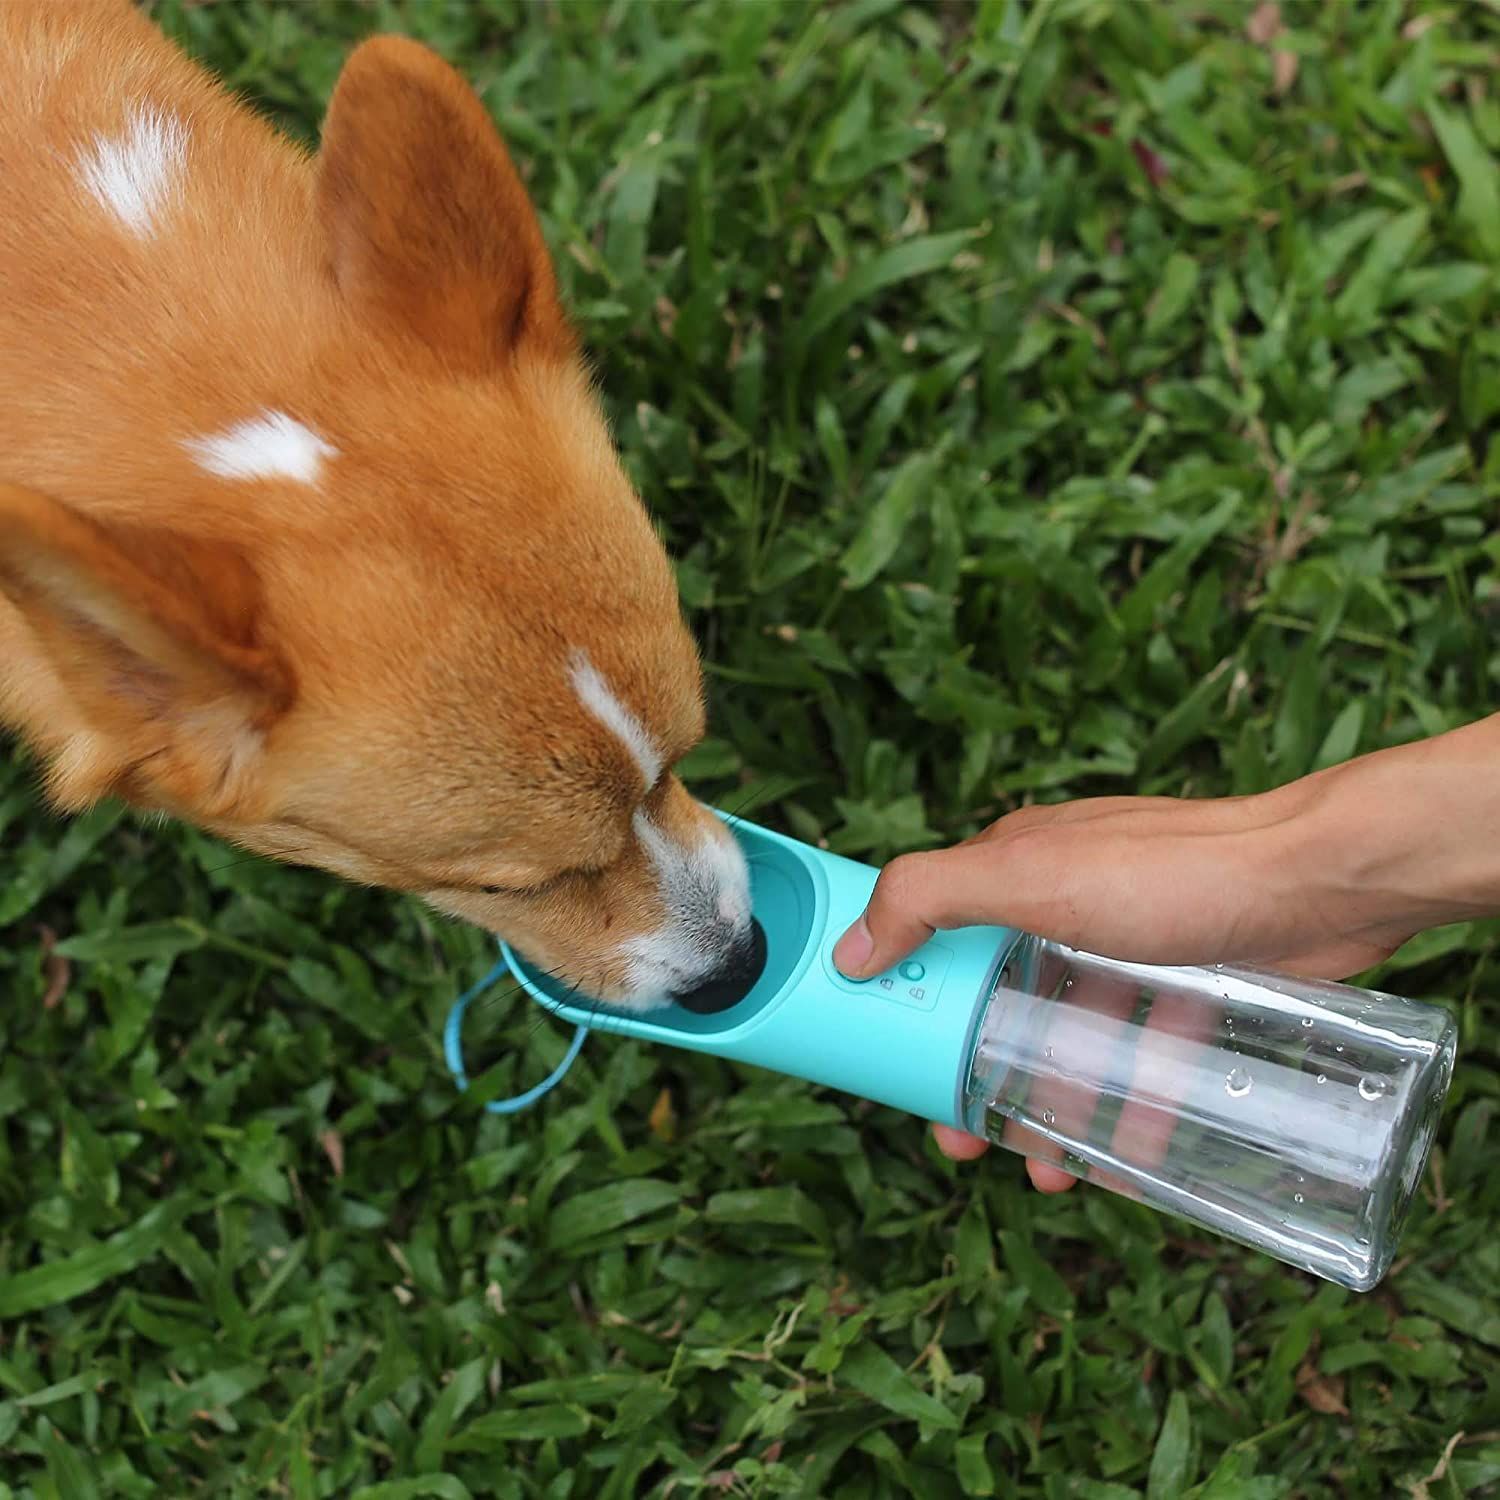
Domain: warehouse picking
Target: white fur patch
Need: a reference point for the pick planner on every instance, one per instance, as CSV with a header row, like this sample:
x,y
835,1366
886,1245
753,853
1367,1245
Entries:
x,y
270,446
595,695
134,175
706,889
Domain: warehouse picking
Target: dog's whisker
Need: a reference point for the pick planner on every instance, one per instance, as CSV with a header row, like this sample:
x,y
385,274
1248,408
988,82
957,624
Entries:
x,y
288,856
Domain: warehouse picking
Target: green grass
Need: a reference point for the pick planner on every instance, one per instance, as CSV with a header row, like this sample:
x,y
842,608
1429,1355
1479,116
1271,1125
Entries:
x,y
1039,404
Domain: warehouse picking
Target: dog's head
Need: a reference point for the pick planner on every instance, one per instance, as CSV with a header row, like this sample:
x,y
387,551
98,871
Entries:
x,y
406,619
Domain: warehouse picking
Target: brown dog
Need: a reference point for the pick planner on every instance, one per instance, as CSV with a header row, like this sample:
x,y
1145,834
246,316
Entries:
x,y
310,529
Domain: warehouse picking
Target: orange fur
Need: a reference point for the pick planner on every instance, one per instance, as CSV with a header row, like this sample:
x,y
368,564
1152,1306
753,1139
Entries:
x,y
368,672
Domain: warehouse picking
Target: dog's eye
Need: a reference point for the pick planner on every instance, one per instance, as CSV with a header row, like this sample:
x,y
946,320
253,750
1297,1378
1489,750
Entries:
x,y
536,888
512,890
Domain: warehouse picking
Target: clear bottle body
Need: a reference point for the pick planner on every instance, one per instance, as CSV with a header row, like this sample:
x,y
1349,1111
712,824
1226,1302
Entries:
x,y
1294,1116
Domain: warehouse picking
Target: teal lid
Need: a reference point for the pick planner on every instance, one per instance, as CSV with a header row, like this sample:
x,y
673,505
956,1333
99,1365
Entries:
x,y
902,1038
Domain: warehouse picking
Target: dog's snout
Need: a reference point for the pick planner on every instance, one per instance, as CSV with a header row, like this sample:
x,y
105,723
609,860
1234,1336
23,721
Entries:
x,y
733,979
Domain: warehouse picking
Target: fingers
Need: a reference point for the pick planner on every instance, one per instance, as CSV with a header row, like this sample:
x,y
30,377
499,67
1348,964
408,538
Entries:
x,y
1154,879
905,908
1077,1037
1145,880
1077,872
1169,1049
1049,1179
916,895
957,1146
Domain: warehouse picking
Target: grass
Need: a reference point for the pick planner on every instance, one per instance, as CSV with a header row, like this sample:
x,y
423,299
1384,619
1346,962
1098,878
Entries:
x,y
1040,400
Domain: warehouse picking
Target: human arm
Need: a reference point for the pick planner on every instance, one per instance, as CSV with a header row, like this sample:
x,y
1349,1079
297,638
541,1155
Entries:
x,y
1325,876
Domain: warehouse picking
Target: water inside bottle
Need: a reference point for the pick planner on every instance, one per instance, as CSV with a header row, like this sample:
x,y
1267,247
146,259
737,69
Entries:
x,y
1291,1116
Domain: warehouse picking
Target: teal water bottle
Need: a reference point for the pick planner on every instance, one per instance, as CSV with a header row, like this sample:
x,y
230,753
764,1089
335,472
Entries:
x,y
1293,1116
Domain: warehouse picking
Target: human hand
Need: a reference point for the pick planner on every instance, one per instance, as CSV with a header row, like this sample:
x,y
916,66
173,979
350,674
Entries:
x,y
1269,881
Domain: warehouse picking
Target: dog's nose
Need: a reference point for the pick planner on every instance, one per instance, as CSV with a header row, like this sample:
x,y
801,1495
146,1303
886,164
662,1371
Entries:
x,y
733,980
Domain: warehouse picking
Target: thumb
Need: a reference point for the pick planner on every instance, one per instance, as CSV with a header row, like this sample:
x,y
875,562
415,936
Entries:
x,y
916,895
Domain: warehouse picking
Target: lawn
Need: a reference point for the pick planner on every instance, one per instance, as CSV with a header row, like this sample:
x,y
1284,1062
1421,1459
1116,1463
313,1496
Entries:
x,y
1039,400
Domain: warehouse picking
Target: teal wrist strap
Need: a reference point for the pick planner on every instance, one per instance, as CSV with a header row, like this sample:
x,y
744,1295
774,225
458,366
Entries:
x,y
453,1050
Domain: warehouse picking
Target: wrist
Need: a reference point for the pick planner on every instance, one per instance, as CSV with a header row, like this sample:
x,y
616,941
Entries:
x,y
1408,838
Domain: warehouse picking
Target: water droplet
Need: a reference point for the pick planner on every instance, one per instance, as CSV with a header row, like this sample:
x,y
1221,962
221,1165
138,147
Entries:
x,y
1051,1051
1301,1178
1296,1197
1237,1083
1067,984
1339,1048
1322,1078
1371,1088
1218,966
1048,1117
1307,1020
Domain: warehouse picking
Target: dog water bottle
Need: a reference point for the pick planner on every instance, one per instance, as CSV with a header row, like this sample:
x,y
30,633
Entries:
x,y
1294,1116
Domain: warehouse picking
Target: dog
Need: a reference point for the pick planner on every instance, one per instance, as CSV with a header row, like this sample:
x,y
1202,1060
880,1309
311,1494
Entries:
x,y
311,530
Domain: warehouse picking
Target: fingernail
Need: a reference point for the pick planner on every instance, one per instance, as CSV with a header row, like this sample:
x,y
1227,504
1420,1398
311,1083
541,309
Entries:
x,y
852,951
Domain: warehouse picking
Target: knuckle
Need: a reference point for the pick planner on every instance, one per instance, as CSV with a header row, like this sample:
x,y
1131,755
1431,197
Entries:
x,y
902,879
1032,816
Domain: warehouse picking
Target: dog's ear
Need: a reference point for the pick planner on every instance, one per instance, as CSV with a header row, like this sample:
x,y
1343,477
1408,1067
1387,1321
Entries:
x,y
151,640
428,226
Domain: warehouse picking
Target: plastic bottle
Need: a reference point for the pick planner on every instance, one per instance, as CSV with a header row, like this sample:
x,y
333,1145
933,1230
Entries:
x,y
1294,1116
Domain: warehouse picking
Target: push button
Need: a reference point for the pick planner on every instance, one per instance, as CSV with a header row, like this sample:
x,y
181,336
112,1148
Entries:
x,y
914,982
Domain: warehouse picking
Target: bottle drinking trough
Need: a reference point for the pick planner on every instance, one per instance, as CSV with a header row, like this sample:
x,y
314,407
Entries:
x,y
1293,1116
